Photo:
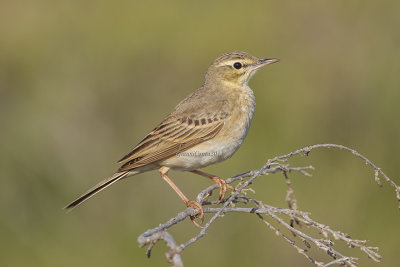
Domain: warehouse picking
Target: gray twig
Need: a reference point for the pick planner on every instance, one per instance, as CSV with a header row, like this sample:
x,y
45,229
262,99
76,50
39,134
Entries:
x,y
278,215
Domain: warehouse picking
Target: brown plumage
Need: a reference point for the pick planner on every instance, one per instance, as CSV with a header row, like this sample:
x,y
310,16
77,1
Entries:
x,y
211,123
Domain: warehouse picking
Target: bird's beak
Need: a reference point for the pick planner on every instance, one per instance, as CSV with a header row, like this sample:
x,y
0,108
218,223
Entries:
x,y
264,62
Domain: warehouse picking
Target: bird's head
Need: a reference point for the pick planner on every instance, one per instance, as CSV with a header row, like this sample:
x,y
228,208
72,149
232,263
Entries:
x,y
236,67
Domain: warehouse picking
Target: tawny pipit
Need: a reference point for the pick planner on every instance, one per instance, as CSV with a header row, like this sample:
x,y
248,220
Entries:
x,y
207,127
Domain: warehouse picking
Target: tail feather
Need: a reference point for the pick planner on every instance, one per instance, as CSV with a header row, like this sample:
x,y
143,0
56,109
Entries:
x,y
97,188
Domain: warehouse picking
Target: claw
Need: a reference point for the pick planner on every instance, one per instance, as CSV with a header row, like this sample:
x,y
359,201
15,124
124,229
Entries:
x,y
200,214
223,186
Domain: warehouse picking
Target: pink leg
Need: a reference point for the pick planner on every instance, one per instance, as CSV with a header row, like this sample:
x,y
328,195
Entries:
x,y
188,203
223,186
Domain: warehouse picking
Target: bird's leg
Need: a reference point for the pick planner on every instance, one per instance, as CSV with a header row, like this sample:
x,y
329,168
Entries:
x,y
189,203
223,186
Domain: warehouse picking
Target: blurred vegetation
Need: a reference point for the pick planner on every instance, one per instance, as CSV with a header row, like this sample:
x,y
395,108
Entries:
x,y
81,82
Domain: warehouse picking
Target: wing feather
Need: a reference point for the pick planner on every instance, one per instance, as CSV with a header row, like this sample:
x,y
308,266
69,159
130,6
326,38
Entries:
x,y
170,137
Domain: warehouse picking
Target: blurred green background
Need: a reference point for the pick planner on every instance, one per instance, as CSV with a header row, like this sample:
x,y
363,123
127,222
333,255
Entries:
x,y
81,82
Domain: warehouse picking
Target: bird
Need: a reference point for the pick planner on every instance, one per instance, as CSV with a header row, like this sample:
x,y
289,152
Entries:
x,y
206,127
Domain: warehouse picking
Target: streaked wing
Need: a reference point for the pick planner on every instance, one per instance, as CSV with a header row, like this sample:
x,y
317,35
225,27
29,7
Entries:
x,y
172,136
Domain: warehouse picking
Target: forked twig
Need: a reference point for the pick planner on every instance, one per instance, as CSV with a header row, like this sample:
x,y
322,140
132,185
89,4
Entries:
x,y
301,241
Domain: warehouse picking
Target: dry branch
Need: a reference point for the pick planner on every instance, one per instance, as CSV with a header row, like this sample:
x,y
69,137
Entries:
x,y
277,215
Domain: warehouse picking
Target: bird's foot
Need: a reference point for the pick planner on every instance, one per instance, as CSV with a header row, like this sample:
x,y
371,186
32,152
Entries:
x,y
223,187
200,214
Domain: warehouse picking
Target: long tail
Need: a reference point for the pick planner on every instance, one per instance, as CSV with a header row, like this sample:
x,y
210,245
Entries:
x,y
97,188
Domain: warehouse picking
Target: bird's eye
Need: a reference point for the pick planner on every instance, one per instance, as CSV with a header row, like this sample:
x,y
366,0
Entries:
x,y
237,65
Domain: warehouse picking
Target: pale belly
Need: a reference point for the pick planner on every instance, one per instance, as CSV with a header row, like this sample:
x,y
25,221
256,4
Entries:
x,y
200,156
